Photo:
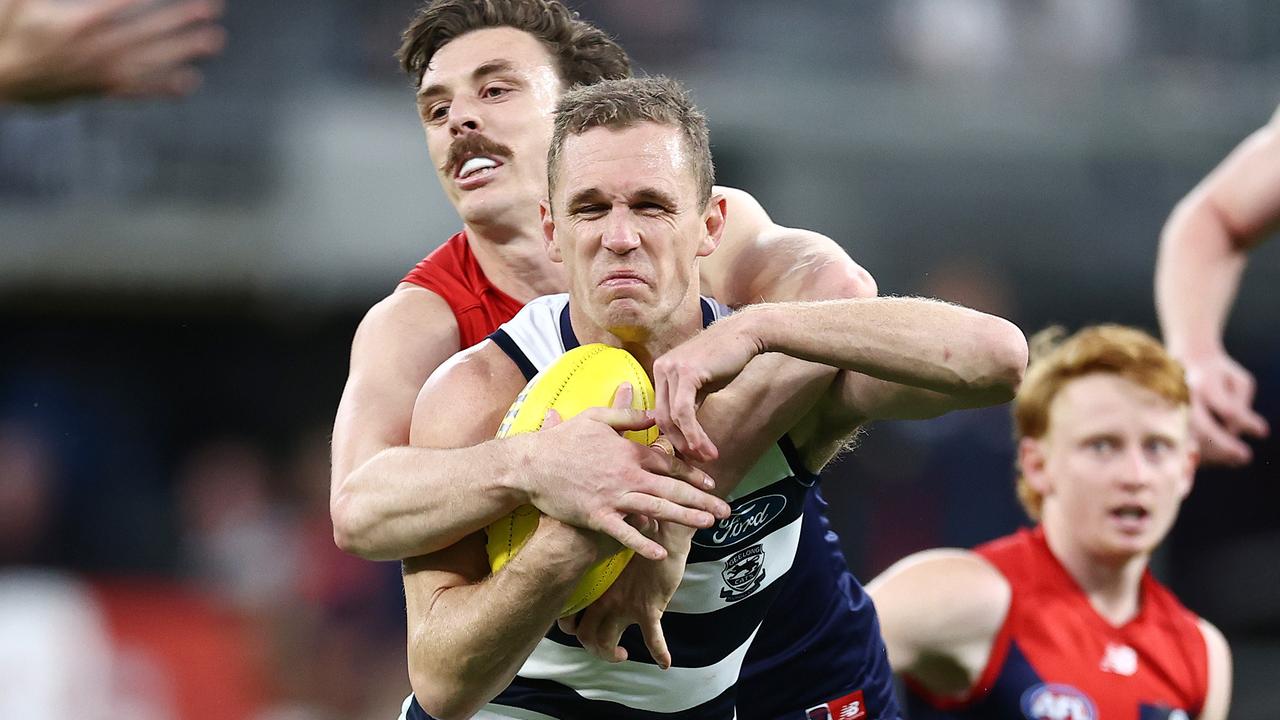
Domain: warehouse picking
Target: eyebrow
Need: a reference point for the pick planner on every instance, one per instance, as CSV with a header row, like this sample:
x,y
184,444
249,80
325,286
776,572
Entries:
x,y
646,194
492,67
585,196
655,195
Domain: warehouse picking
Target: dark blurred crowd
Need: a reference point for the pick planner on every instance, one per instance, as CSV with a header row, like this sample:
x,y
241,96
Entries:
x,y
171,561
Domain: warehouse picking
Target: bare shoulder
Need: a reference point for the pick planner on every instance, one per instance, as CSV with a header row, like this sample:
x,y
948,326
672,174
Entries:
x,y
744,211
463,401
410,307
727,272
1214,640
940,613
478,365
760,260
397,345
1218,698
976,593
407,333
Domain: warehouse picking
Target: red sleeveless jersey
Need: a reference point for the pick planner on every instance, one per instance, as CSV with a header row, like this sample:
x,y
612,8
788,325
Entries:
x,y
452,272
1056,658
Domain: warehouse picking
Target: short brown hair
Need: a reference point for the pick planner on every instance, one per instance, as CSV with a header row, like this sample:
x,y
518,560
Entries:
x,y
1057,359
584,54
620,104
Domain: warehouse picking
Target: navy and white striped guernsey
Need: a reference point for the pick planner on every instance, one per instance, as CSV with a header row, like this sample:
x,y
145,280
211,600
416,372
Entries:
x,y
819,641
731,578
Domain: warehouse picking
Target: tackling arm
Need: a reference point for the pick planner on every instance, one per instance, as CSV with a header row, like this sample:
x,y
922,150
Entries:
x,y
379,502
961,357
388,501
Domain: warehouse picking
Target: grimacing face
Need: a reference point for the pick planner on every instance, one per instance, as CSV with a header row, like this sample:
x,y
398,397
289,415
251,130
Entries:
x,y
1114,466
486,102
626,222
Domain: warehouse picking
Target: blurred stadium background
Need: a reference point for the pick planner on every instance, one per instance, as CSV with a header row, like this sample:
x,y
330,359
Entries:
x,y
179,283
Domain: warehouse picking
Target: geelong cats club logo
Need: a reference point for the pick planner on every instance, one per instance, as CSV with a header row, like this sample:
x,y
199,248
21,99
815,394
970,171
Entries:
x,y
743,572
746,522
1057,702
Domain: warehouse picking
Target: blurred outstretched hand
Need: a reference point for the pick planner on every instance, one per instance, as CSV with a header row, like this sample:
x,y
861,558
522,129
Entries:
x,y
52,50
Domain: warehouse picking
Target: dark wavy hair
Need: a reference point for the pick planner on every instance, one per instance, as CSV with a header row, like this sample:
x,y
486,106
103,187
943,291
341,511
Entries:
x,y
584,54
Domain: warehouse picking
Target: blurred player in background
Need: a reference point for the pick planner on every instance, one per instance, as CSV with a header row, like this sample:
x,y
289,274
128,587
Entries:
x,y
53,50
1065,620
1202,256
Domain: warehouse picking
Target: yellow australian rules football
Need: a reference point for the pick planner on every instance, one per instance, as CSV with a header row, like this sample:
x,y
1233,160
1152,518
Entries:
x,y
584,377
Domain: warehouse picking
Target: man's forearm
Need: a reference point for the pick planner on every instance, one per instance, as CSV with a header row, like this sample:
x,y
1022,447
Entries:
x,y
466,643
1197,275
913,341
410,501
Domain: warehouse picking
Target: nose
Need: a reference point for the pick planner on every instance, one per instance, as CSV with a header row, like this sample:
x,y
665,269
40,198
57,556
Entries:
x,y
463,118
619,237
1136,471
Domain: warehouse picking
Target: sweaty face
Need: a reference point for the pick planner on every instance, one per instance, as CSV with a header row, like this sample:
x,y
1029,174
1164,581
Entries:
x,y
486,102
628,226
1117,462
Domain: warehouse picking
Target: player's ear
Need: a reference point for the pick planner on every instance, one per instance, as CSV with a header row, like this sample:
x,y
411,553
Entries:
x,y
1031,463
713,219
549,231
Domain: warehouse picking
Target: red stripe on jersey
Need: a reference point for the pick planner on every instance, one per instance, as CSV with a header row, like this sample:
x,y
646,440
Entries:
x,y
452,272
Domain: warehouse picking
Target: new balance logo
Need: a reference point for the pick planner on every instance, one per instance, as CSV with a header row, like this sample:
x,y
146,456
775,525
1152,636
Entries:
x,y
849,707
851,711
1119,659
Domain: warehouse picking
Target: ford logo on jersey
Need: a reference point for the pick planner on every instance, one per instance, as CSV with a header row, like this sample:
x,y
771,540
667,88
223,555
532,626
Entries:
x,y
1057,702
745,523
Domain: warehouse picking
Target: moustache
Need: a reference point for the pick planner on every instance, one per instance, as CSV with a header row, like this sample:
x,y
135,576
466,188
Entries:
x,y
471,145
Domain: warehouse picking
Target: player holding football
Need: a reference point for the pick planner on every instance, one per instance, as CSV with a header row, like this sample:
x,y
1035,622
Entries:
x,y
488,75
630,214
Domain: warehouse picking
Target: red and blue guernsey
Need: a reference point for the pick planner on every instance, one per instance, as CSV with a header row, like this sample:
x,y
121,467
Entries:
x,y
1056,658
819,653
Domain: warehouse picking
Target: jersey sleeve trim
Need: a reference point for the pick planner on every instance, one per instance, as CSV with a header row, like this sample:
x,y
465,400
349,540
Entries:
x,y
789,451
513,351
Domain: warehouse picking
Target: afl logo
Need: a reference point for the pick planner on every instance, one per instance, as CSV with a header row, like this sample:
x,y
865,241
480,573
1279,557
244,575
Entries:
x,y
745,523
743,572
1057,702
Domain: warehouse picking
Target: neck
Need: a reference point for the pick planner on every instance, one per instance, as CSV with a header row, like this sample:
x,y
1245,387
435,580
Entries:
x,y
645,344
514,259
1112,585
